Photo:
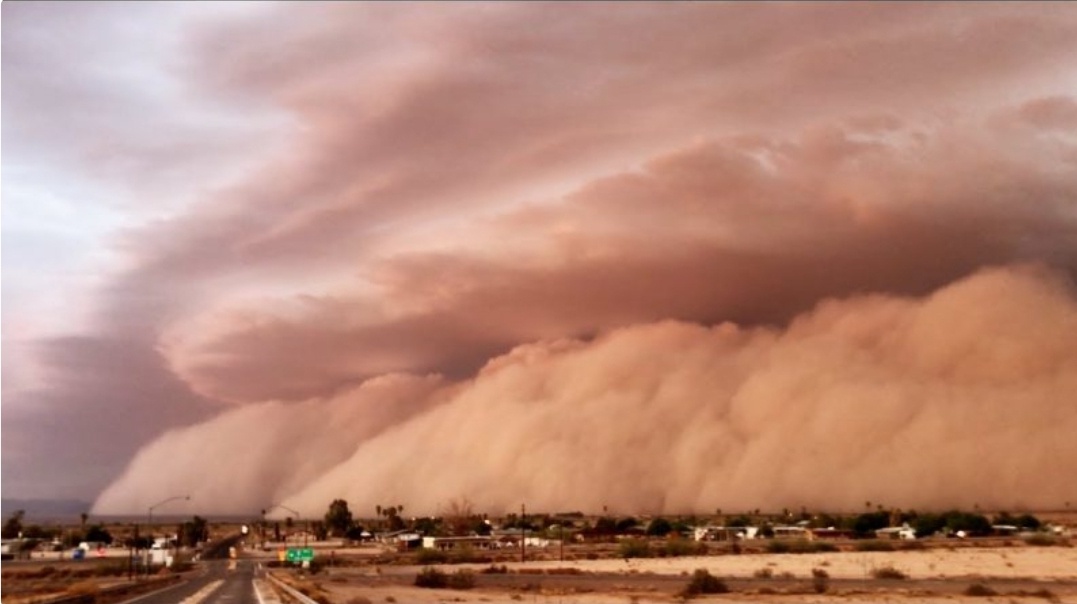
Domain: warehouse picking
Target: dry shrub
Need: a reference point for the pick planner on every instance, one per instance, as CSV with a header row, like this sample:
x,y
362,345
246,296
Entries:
x,y
360,600
566,570
1042,592
1041,540
888,572
874,545
763,573
462,579
83,588
703,582
431,556
979,590
778,547
820,580
634,548
431,578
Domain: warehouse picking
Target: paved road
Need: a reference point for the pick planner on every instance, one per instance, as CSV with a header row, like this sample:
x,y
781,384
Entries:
x,y
220,582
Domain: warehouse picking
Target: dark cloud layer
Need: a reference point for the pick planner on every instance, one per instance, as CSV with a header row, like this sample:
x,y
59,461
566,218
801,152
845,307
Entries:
x,y
448,182
706,234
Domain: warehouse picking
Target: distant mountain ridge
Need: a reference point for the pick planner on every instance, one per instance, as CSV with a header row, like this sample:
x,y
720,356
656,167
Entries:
x,y
44,508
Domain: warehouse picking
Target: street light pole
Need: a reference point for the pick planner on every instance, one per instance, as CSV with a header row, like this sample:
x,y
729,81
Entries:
x,y
149,516
284,507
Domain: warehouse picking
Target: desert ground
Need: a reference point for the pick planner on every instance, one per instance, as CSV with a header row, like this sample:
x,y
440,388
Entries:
x,y
942,574
935,570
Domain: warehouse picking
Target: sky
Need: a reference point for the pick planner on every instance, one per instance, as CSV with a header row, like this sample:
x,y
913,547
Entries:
x,y
648,257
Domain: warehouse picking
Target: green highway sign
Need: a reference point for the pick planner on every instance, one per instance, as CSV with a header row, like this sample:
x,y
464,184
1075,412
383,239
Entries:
x,y
300,554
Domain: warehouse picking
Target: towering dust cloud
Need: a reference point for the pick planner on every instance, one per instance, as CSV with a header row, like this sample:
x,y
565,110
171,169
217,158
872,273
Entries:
x,y
963,397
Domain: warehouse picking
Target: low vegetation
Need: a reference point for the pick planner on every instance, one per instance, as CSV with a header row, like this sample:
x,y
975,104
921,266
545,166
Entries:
x,y
702,582
979,590
799,546
820,580
433,578
1041,540
634,548
681,547
888,572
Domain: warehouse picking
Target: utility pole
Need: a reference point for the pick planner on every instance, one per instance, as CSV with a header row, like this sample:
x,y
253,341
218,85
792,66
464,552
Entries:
x,y
131,555
523,534
561,537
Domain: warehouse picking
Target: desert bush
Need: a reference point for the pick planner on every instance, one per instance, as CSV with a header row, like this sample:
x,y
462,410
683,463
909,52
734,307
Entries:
x,y
461,579
764,573
820,580
83,588
799,546
1044,593
778,547
111,568
360,600
634,548
888,572
495,570
431,556
468,555
1042,540
979,590
874,545
803,546
681,547
702,582
432,578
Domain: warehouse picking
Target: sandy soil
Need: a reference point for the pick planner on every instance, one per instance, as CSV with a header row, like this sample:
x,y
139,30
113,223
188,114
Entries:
x,y
1044,563
937,575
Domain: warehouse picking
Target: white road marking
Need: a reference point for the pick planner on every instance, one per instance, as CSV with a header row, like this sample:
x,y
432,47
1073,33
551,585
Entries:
x,y
203,593
262,598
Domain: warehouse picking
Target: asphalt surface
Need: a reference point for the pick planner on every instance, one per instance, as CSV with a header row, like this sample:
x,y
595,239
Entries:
x,y
219,582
